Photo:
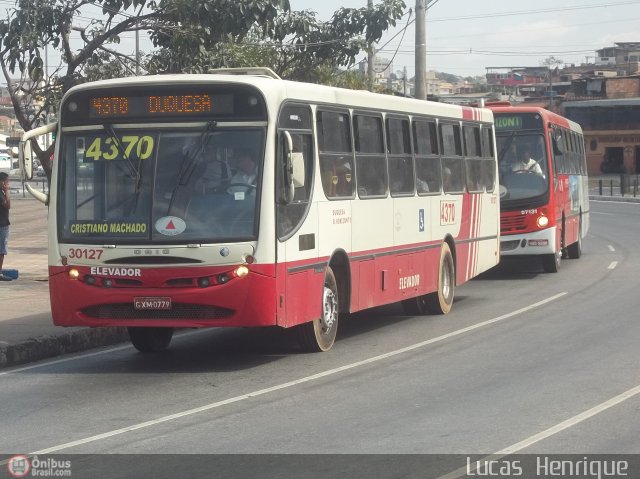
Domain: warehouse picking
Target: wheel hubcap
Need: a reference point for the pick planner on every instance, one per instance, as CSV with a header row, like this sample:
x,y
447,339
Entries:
x,y
329,309
446,280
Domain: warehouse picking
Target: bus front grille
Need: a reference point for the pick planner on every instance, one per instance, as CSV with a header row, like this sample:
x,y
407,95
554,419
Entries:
x,y
177,311
512,224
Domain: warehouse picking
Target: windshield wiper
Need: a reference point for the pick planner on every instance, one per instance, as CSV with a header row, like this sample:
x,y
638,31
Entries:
x,y
506,146
189,161
134,172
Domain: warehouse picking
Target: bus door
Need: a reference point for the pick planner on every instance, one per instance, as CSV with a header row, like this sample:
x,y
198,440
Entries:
x,y
296,221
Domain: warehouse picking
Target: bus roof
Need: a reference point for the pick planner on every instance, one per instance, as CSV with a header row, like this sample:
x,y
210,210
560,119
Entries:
x,y
308,92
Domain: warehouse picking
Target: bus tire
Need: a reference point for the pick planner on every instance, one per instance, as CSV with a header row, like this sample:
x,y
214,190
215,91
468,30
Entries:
x,y
319,335
574,251
150,340
441,301
551,262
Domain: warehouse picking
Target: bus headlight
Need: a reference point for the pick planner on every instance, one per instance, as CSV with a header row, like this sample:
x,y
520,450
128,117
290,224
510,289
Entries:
x,y
241,271
74,273
543,221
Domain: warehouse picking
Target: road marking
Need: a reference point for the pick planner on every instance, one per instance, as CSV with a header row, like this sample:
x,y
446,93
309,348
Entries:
x,y
613,264
611,248
578,418
296,382
605,214
553,430
89,355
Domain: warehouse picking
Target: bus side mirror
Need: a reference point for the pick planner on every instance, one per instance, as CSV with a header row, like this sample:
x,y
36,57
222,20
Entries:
x,y
294,169
557,145
25,158
297,164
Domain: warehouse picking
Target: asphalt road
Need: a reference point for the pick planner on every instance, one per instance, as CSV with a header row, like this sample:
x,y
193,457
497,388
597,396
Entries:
x,y
526,362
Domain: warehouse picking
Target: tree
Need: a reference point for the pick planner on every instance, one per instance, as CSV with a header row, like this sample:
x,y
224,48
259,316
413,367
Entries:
x,y
37,24
190,36
296,45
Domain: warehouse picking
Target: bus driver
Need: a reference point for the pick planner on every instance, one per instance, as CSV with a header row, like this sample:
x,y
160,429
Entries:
x,y
524,162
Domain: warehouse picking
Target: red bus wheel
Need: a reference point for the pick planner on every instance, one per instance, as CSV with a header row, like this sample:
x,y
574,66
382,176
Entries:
x,y
319,335
441,301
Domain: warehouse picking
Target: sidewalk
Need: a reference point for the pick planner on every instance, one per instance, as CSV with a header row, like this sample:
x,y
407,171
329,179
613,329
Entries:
x,y
27,332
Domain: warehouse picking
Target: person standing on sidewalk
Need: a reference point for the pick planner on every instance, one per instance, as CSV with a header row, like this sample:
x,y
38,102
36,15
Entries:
x,y
5,204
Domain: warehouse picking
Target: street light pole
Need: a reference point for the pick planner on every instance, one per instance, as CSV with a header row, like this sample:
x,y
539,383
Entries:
x,y
371,55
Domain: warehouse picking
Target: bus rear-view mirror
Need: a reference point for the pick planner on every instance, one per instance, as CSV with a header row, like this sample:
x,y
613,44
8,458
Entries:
x,y
25,156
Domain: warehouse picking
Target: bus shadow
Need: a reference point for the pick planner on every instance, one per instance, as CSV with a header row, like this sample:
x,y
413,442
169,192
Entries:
x,y
513,268
227,350
390,315
219,350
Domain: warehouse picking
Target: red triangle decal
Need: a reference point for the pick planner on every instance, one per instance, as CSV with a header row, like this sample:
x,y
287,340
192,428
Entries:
x,y
170,225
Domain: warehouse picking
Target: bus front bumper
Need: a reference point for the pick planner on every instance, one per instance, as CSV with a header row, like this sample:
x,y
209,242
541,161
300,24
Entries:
x,y
529,244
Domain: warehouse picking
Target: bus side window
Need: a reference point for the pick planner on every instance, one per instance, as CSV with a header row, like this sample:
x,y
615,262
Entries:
x,y
427,161
489,161
371,161
336,155
400,160
473,164
453,178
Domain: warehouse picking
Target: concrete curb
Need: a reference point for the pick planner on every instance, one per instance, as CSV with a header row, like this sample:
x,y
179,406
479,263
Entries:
x,y
624,199
73,341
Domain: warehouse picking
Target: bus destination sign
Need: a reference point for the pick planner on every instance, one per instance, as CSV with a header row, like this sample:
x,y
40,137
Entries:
x,y
145,106
508,122
523,121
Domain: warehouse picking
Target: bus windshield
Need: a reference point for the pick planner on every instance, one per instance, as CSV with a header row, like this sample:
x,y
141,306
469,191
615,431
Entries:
x,y
522,163
167,185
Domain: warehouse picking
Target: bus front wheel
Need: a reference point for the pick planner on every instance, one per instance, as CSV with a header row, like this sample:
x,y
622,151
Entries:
x,y
319,335
551,262
150,340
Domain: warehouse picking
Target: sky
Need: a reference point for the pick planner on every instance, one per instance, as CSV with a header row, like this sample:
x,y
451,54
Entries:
x,y
464,37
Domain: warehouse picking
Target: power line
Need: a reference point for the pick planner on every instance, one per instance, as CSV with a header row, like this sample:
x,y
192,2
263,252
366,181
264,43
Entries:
x,y
532,12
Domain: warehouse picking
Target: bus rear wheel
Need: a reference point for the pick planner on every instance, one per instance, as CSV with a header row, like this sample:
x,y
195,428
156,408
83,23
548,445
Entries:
x,y
319,335
150,340
441,301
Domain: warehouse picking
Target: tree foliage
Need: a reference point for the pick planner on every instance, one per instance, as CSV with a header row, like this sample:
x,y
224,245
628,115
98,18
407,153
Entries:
x,y
188,35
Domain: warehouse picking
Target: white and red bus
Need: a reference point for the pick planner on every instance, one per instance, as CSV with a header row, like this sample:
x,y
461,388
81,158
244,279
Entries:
x,y
544,197
356,200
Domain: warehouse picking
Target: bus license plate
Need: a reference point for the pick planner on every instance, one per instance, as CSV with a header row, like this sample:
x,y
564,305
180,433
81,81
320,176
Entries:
x,y
152,303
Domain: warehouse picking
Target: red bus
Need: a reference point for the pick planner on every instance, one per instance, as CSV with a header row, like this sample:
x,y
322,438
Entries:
x,y
544,202
350,200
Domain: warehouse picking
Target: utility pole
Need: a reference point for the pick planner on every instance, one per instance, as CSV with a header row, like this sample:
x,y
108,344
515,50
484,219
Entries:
x,y
46,79
371,55
137,50
421,50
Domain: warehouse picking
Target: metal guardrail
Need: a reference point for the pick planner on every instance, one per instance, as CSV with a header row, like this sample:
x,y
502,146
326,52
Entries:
x,y
615,185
